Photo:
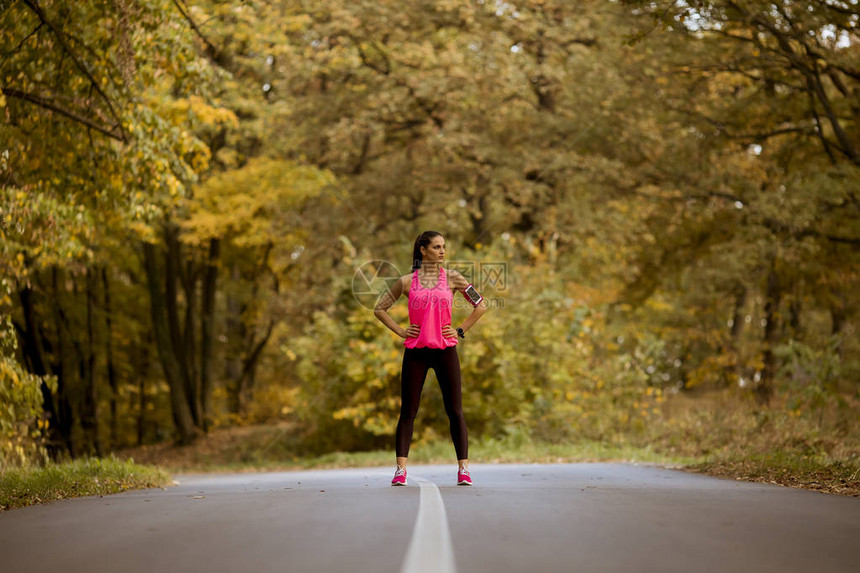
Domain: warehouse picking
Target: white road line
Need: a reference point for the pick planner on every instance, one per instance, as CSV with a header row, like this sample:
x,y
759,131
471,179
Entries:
x,y
430,549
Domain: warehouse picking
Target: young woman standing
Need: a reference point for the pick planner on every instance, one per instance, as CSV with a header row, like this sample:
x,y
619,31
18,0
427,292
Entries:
x,y
430,342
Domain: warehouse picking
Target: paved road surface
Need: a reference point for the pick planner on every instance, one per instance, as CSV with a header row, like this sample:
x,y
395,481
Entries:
x,y
517,518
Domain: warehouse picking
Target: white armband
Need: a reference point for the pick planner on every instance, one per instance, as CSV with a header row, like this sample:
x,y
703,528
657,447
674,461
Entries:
x,y
472,295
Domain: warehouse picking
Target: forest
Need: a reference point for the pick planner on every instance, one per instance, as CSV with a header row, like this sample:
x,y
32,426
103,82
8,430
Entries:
x,y
659,199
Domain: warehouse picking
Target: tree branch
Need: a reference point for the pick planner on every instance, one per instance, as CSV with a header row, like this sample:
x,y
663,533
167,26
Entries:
x,y
819,129
58,34
724,130
22,42
212,50
47,104
846,146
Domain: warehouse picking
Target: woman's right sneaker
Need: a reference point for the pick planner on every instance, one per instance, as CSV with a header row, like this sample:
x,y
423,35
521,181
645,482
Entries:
x,y
399,476
463,477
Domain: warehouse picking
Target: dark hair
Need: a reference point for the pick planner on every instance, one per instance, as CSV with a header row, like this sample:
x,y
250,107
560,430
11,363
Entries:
x,y
422,241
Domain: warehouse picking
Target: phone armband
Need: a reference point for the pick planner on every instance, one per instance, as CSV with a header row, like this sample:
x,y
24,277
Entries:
x,y
472,295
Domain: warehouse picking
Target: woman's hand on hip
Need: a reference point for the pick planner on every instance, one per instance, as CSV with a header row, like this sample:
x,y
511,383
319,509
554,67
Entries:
x,y
412,331
448,331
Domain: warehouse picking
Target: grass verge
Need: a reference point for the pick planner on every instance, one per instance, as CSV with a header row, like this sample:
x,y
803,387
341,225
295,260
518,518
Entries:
x,y
787,469
731,436
498,451
93,476
270,448
720,433
789,455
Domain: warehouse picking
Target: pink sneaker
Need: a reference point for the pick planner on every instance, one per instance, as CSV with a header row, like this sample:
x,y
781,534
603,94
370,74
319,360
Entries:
x,y
399,476
463,477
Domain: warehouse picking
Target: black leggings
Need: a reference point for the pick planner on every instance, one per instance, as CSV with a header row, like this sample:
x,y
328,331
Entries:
x,y
446,363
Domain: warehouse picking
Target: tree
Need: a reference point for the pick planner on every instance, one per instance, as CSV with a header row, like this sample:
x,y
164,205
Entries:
x,y
89,152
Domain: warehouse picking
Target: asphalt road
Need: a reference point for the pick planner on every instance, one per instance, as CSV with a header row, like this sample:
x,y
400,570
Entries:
x,y
517,518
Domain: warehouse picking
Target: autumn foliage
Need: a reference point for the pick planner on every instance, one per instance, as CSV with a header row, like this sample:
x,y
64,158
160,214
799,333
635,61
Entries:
x,y
187,189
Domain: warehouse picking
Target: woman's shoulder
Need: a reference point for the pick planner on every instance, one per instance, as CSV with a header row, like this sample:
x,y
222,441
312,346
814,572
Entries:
x,y
406,282
456,280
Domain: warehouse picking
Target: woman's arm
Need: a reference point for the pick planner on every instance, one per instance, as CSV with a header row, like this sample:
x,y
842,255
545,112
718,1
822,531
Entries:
x,y
477,313
386,301
459,283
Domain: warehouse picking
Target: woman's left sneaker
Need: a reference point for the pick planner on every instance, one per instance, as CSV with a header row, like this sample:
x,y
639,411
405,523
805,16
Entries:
x,y
399,476
463,477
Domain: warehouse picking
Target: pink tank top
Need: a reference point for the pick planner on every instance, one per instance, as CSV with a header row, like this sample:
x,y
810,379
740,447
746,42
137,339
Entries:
x,y
431,309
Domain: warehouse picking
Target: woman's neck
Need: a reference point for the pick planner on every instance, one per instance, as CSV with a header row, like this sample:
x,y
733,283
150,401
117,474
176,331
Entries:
x,y
430,268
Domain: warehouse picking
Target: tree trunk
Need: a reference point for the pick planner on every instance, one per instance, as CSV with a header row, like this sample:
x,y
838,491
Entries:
x,y
736,369
249,371
838,315
773,295
64,405
141,409
182,417
143,373
34,358
111,369
795,308
478,216
542,86
89,407
252,349
189,285
171,278
207,335
235,328
183,336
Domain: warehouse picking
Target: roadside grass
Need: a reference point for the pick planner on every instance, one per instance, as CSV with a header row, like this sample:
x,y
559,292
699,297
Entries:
x,y
93,476
496,451
788,469
727,435
718,433
271,448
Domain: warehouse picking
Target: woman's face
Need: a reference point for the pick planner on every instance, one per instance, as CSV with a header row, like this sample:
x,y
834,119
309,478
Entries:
x,y
435,251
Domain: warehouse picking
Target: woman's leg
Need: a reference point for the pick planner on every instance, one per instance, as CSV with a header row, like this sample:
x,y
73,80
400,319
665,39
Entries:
x,y
447,369
412,376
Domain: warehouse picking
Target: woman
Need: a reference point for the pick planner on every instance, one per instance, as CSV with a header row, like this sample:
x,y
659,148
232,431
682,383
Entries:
x,y
431,342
